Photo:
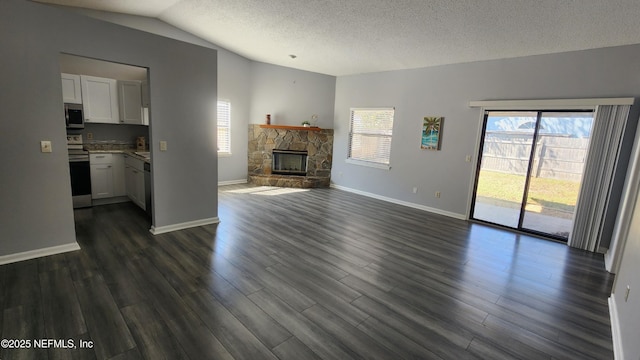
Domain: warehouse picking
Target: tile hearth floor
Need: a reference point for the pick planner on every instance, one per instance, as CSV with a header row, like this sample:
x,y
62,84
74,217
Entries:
x,y
307,274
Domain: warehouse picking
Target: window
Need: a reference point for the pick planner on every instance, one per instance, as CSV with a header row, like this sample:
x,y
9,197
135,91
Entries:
x,y
370,136
224,127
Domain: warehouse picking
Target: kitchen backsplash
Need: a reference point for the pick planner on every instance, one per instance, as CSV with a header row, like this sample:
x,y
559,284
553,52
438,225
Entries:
x,y
108,145
120,134
111,137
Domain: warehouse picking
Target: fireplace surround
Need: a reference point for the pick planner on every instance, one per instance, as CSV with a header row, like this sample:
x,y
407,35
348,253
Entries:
x,y
316,142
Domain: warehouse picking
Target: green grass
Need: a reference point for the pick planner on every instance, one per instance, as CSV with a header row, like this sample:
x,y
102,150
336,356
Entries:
x,y
551,194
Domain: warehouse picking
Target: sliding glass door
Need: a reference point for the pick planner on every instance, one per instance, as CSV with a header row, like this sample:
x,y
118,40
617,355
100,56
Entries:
x,y
530,169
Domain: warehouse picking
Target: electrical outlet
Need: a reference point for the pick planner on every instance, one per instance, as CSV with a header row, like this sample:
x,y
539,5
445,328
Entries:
x,y
163,146
468,158
45,146
415,190
89,136
437,194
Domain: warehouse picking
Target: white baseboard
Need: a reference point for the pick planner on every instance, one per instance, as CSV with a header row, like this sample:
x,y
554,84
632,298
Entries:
x,y
403,203
232,182
32,254
618,353
185,225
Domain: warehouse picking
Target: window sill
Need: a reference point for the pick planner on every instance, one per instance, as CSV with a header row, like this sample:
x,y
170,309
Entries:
x,y
224,154
368,164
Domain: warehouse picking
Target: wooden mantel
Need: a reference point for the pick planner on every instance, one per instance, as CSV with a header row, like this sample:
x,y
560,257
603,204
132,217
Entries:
x,y
289,127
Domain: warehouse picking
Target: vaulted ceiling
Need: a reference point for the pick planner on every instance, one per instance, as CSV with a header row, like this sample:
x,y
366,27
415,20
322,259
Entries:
x,y
342,37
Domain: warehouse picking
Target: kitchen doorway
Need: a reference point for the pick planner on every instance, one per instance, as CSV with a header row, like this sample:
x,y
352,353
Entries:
x,y
111,137
530,170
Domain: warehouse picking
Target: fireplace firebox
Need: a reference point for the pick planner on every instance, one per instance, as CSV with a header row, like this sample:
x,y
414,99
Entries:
x,y
289,162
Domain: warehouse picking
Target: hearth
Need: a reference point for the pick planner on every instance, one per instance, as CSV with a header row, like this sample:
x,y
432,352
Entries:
x,y
289,162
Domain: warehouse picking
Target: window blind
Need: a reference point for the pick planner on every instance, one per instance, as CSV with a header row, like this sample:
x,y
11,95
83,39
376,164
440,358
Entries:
x,y
370,134
224,126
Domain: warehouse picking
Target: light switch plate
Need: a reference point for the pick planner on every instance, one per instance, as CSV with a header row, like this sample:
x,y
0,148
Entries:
x,y
45,146
163,146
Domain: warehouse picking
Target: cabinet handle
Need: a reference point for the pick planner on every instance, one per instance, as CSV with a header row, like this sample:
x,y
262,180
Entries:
x,y
109,166
99,156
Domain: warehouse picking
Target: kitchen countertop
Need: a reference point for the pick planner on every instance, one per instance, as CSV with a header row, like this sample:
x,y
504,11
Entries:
x,y
129,152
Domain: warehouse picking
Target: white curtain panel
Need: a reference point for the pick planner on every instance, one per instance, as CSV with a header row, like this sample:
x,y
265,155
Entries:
x,y
600,166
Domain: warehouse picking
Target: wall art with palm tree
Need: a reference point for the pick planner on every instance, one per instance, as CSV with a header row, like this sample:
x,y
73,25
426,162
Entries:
x,y
431,129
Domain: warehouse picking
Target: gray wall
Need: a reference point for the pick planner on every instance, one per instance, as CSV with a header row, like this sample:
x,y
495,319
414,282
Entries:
x,y
627,312
234,81
446,91
290,95
36,210
253,88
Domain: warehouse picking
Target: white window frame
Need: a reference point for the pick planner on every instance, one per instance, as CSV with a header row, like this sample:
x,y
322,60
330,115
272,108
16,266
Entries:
x,y
364,162
224,114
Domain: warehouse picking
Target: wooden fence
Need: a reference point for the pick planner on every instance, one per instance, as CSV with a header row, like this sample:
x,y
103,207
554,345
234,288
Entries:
x,y
557,156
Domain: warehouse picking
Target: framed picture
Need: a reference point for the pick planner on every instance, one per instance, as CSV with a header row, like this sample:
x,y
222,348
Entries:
x,y
431,130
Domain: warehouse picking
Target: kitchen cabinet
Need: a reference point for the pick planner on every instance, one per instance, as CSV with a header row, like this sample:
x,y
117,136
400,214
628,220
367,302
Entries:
x,y
99,99
71,92
101,176
146,103
119,185
107,175
134,179
130,102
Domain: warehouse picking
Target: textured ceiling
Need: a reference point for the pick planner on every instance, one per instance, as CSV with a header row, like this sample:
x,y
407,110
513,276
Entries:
x,y
341,37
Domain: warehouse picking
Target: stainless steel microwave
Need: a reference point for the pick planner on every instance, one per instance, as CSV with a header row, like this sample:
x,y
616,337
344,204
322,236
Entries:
x,y
74,116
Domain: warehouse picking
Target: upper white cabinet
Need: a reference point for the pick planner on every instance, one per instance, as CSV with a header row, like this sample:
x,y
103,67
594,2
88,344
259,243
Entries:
x,y
71,89
99,99
130,106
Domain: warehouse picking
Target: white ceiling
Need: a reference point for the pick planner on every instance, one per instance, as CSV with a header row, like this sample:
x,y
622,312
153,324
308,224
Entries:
x,y
341,37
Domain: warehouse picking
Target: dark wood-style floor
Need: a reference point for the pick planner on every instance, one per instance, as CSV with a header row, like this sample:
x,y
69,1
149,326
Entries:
x,y
318,274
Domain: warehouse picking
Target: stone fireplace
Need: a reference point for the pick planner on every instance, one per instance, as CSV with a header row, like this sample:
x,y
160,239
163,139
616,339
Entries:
x,y
302,158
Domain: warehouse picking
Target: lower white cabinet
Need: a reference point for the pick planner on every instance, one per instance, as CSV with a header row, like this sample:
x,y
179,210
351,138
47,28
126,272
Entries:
x,y
107,175
134,180
101,181
119,186
101,176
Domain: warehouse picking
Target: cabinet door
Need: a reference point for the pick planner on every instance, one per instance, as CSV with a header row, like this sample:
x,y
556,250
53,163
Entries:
x,y
119,184
100,99
130,182
135,185
71,92
140,190
130,104
101,181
